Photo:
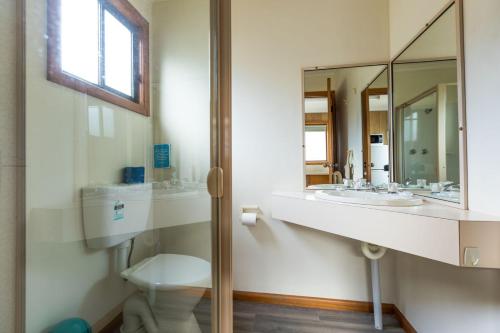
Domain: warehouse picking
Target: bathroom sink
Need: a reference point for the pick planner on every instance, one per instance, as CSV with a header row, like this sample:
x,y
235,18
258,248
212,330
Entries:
x,y
401,199
325,187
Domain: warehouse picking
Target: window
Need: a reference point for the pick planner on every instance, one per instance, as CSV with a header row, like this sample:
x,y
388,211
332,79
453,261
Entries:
x,y
101,48
315,142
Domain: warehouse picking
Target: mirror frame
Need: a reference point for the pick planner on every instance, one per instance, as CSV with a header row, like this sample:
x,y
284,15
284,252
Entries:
x,y
461,98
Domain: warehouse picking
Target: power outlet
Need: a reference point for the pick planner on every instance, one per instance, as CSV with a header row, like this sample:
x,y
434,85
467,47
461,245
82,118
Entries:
x,y
472,256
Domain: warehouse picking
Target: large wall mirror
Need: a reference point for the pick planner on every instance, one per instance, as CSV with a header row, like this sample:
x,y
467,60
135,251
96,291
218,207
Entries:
x,y
346,129
427,111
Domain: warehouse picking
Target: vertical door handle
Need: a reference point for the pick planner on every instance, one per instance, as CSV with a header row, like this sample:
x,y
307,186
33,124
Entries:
x,y
215,182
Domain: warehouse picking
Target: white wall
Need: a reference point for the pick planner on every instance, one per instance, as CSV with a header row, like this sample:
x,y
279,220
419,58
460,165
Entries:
x,y
437,297
65,278
8,163
482,54
272,42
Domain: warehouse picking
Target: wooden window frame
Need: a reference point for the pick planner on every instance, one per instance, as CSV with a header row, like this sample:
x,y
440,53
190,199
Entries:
x,y
319,123
123,9
330,124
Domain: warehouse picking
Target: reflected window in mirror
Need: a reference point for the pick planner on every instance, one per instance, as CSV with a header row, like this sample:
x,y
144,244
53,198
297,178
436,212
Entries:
x,y
316,142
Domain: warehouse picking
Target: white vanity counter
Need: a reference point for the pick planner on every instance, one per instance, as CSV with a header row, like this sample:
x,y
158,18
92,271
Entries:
x,y
431,230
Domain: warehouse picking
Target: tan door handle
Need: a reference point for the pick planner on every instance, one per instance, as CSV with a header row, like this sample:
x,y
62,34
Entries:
x,y
215,182
329,165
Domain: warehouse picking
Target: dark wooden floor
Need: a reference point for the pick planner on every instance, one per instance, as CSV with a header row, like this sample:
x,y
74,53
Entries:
x,y
250,317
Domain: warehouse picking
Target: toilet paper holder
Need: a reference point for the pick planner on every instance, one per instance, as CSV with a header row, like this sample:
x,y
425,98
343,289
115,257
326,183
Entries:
x,y
250,209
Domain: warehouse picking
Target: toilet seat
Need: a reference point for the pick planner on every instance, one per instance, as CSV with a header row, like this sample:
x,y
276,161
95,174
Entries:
x,y
169,271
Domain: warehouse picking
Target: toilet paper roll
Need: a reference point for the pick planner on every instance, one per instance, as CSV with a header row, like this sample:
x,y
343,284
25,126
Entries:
x,y
249,218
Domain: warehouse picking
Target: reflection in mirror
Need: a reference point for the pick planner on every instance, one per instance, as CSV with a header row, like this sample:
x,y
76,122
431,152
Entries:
x,y
426,112
375,106
346,127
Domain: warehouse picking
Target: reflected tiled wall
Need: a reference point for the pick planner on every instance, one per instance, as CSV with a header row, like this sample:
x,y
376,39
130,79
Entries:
x,y
10,164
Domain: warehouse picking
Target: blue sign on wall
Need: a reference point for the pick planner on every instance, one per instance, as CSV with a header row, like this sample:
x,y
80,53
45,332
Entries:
x,y
161,156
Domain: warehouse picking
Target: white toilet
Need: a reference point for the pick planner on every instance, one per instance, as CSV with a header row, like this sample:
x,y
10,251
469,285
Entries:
x,y
171,286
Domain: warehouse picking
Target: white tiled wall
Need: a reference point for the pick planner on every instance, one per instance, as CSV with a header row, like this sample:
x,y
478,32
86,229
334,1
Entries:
x,y
8,163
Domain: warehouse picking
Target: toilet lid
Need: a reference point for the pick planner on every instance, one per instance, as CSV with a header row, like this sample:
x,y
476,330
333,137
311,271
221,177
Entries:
x,y
170,271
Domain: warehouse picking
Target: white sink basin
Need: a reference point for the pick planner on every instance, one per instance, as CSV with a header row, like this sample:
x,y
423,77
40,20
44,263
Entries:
x,y
401,199
326,187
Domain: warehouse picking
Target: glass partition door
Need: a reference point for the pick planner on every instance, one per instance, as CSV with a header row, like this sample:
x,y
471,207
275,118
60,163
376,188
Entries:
x,y
127,207
417,138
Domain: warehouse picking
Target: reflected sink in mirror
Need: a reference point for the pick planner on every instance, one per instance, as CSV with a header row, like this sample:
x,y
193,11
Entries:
x,y
162,190
401,199
414,187
447,195
451,194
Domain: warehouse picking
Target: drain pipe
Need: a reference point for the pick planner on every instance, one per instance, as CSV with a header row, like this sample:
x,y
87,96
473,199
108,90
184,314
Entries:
x,y
374,253
137,316
122,255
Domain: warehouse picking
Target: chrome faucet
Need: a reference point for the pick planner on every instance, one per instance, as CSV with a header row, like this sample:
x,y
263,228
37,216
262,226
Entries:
x,y
408,181
449,187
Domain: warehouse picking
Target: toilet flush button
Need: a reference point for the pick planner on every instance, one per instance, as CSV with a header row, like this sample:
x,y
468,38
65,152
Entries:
x,y
471,256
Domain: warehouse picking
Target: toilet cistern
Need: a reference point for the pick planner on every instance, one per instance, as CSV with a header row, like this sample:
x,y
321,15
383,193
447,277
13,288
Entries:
x,y
114,214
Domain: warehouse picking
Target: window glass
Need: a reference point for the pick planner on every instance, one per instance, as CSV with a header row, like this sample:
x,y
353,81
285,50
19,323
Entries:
x,y
118,50
80,39
95,47
315,141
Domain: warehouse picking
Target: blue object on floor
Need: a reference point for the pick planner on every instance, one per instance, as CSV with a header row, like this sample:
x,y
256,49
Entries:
x,y
133,175
72,325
